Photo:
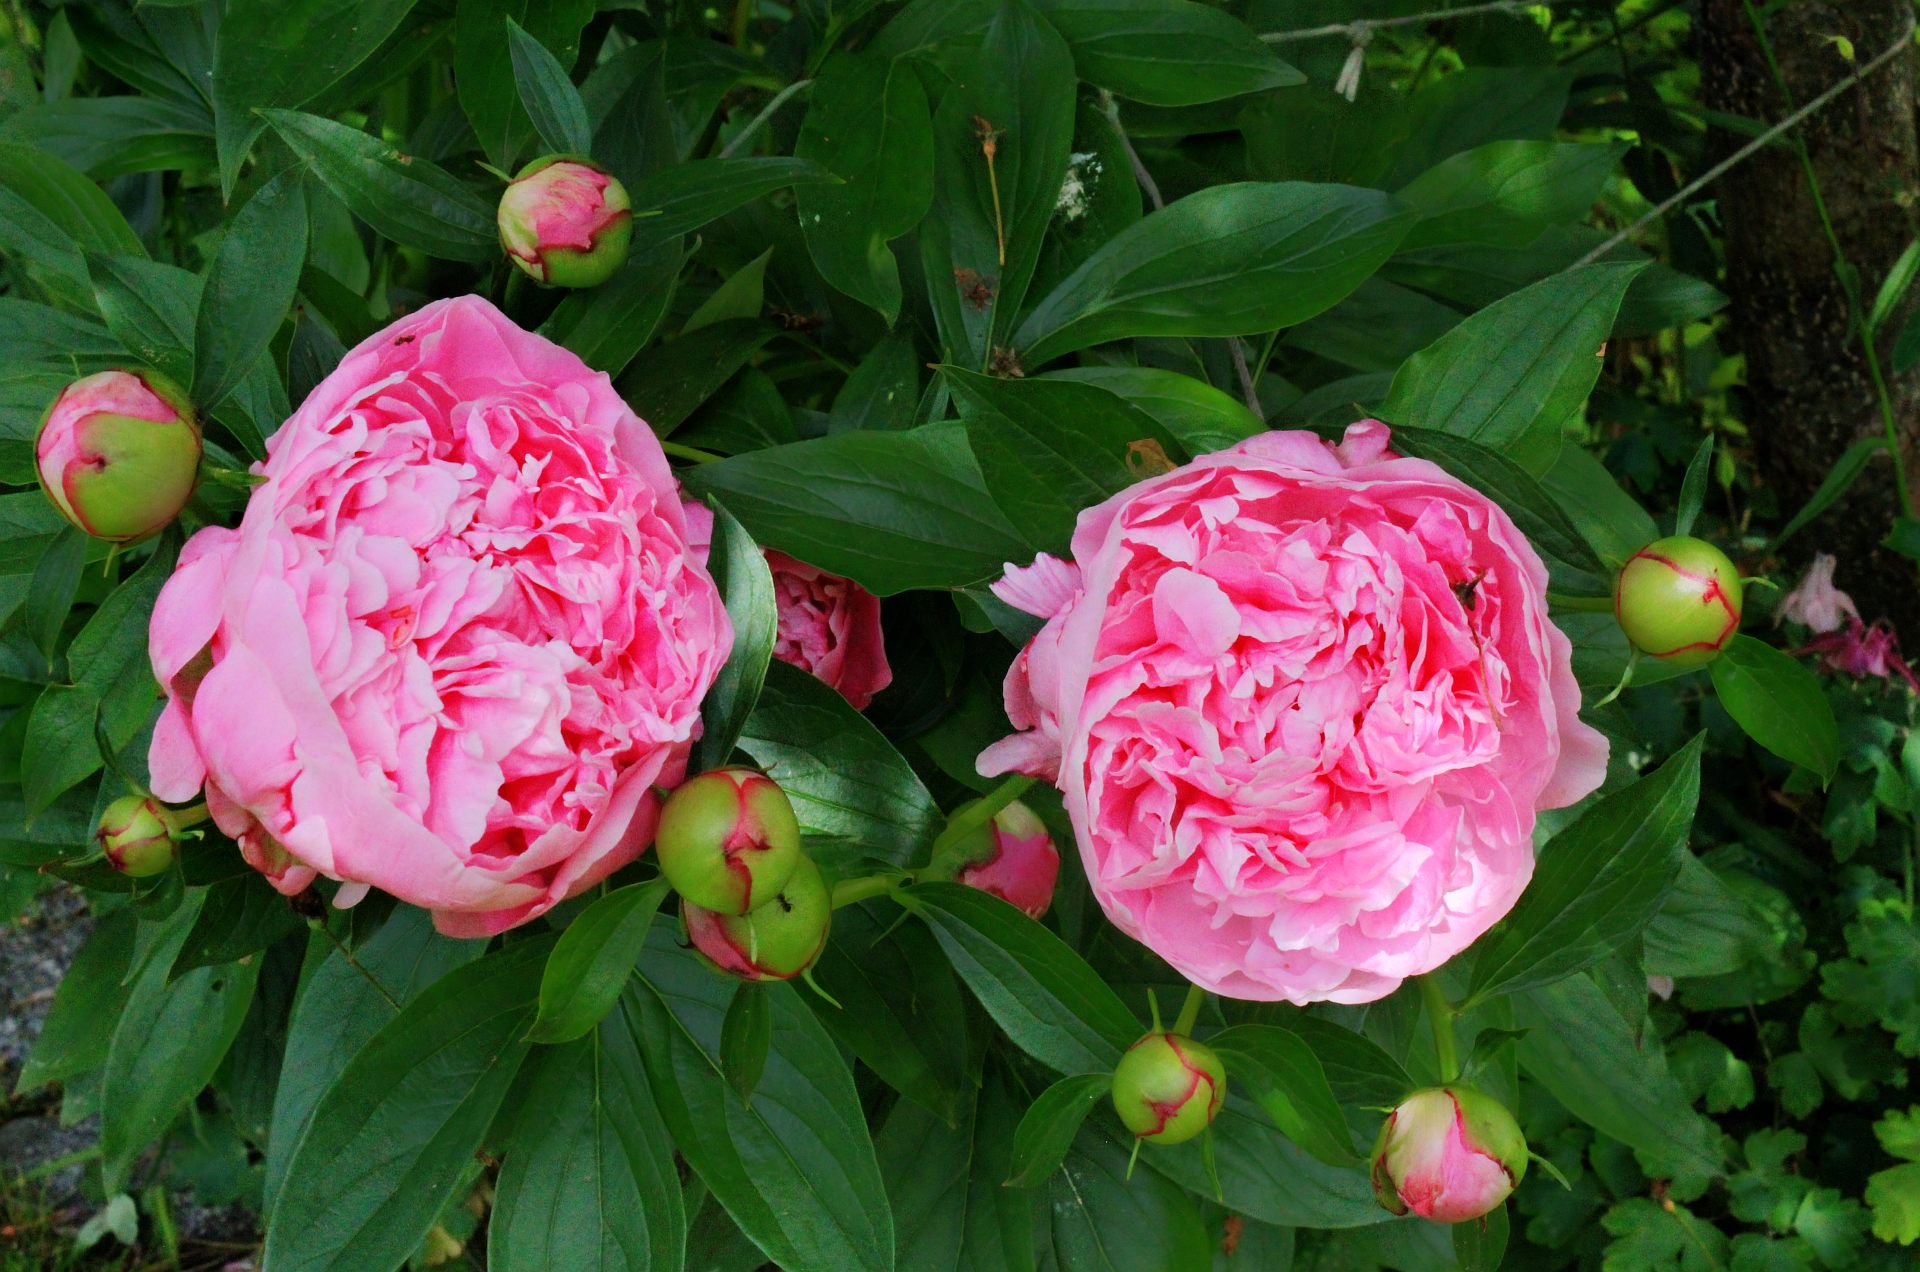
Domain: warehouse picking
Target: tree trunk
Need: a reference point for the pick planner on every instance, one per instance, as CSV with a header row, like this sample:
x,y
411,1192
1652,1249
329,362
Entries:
x,y
1808,388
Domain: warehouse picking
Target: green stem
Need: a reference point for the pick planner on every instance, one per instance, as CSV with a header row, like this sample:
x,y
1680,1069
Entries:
x,y
1190,1011
689,453
980,812
849,891
179,819
1440,1016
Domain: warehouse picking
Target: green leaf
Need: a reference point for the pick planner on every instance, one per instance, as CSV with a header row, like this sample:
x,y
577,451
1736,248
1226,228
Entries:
x,y
746,1035
1598,883
1839,479
1050,1125
240,916
403,197
589,1183
673,379
1105,1222
151,308
60,737
1230,260
609,324
107,137
1279,1069
1045,997
687,196
168,1042
344,1004
250,286
51,215
485,72
1506,193
883,392
592,960
868,124
739,567
51,591
742,295
552,102
1894,1197
1693,489
1166,52
1894,287
891,511
1663,1235
846,781
1510,376
109,654
981,245
1480,1247
1049,448
408,1111
1361,1073
796,1168
1201,418
286,53
87,1005
1779,702
952,1213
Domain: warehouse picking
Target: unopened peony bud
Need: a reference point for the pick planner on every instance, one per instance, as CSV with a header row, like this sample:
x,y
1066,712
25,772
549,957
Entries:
x,y
728,840
1011,857
118,454
1448,1154
1167,1088
137,836
1678,599
565,221
775,941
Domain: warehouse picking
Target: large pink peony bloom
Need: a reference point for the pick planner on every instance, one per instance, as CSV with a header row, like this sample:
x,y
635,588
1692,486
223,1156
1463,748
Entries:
x,y
1303,701
456,639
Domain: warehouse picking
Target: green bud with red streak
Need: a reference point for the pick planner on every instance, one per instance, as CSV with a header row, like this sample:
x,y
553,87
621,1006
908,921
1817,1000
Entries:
x,y
1678,599
776,940
1168,1088
137,835
565,221
728,840
118,453
1448,1154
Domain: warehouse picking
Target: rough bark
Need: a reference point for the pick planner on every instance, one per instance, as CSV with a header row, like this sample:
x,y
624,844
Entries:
x,y
1809,391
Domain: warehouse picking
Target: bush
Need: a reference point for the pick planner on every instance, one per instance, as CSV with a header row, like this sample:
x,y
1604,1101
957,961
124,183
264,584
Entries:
x,y
1093,677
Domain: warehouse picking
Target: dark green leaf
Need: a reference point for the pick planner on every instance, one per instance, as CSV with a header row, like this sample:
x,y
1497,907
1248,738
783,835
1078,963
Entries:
x,y
60,739
1839,479
1050,1125
109,654
882,392
1693,490
50,593
746,585
673,379
1511,375
151,308
78,1028
846,781
1481,1246
1779,702
286,53
675,200
1506,193
1279,1070
1598,883
1044,996
107,137
51,215
592,960
552,102
1105,1222
589,1183
1229,260
486,72
403,197
868,124
1359,1071
1200,417
745,1037
891,511
607,325
249,287
408,1112
1166,52
795,1168
1050,448
953,1214
240,916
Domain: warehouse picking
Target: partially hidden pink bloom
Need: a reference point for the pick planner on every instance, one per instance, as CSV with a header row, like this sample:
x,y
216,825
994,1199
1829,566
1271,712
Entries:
x,y
564,221
1816,603
1860,650
1011,857
1448,1154
118,454
1303,702
828,627
457,638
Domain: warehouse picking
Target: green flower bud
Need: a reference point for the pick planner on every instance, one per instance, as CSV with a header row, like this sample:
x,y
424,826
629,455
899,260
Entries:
x,y
1448,1154
775,941
565,221
728,840
118,454
1678,599
137,836
1167,1088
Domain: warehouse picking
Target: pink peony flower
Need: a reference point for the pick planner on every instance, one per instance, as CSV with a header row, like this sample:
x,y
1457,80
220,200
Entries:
x,y
1859,650
1816,603
456,639
1304,702
828,627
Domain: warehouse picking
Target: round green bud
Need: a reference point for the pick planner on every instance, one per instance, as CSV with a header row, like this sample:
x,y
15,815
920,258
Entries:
x,y
565,221
1678,599
728,839
136,834
1167,1088
1448,1154
775,941
118,454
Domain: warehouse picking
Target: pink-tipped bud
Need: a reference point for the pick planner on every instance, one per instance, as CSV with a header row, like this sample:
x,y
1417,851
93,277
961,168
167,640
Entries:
x,y
1678,599
565,221
136,834
728,839
1011,857
775,941
118,454
1167,1088
1448,1154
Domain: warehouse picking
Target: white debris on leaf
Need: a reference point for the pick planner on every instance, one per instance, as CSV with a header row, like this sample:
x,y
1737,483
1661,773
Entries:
x,y
1076,192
